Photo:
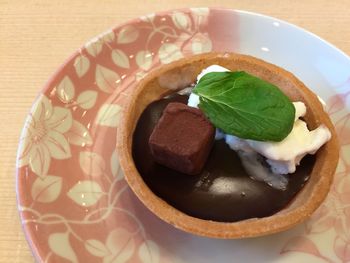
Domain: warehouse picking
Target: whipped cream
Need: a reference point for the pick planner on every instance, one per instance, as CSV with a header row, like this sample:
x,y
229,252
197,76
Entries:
x,y
283,156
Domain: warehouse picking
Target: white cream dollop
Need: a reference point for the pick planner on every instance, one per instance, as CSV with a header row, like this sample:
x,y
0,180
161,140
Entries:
x,y
212,68
283,156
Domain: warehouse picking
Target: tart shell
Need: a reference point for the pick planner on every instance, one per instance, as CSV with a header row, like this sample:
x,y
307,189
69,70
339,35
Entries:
x,y
182,73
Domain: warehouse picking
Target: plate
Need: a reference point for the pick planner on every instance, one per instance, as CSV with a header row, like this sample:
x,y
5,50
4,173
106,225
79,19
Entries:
x,y
73,202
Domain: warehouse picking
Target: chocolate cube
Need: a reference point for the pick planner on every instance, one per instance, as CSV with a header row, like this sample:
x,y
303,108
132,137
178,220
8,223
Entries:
x,y
182,138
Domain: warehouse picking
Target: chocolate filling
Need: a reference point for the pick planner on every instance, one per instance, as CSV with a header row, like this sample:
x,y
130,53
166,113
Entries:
x,y
223,191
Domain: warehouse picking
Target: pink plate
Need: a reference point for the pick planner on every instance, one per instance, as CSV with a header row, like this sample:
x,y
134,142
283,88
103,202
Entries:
x,y
75,205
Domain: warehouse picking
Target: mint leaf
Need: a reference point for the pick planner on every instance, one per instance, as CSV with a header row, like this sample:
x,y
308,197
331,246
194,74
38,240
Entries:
x,y
245,106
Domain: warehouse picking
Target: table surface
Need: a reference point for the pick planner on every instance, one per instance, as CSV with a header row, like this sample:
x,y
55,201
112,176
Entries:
x,y
37,36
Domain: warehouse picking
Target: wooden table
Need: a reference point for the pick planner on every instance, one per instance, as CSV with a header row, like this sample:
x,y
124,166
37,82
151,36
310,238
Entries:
x,y
37,36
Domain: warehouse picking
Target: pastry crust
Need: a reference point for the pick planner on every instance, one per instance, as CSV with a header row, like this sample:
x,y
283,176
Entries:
x,y
177,75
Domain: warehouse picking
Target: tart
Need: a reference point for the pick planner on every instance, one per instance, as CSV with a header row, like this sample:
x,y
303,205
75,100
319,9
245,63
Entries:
x,y
169,79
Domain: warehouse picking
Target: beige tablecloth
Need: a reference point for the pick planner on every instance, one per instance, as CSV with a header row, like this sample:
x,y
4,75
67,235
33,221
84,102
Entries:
x,y
37,36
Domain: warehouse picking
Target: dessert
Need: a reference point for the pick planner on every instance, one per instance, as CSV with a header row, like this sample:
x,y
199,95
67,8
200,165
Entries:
x,y
182,138
222,201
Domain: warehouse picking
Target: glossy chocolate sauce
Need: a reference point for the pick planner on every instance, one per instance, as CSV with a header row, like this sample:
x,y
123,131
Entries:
x,y
223,191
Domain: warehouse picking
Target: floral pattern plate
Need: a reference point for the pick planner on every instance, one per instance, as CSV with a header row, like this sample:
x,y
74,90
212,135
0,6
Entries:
x,y
75,205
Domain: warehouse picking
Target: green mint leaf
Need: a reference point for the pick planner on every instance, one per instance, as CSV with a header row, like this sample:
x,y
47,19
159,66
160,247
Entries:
x,y
245,106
